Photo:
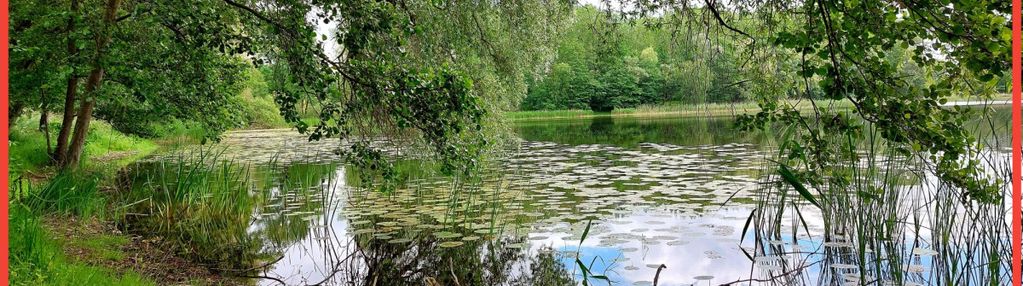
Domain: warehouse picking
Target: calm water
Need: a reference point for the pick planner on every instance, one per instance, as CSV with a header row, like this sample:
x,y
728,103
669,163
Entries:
x,y
668,191
656,191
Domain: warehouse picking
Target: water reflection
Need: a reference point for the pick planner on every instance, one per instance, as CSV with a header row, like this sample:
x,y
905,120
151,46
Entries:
x,y
652,202
677,192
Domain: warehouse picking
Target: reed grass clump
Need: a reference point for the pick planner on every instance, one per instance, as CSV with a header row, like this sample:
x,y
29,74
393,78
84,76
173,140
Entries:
x,y
881,217
198,204
66,193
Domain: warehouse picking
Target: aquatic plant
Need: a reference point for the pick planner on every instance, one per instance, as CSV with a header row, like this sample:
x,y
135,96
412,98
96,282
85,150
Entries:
x,y
884,217
198,204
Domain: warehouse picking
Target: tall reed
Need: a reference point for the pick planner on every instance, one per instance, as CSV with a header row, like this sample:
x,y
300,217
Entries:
x,y
200,205
881,218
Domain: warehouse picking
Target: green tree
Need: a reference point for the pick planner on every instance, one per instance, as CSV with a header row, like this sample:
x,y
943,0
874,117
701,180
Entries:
x,y
400,66
130,62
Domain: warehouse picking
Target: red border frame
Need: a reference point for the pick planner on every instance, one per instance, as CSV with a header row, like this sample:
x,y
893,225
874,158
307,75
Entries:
x,y
4,74
1017,125
1017,151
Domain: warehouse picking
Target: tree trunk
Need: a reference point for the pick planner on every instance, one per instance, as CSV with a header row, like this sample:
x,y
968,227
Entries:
x,y
13,112
72,91
74,152
44,120
67,121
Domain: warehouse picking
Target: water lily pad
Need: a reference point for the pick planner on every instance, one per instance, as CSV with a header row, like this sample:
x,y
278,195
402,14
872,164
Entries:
x,y
915,268
844,266
363,231
517,245
447,234
677,242
450,244
400,240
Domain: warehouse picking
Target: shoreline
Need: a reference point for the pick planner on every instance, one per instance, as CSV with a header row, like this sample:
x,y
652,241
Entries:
x,y
701,110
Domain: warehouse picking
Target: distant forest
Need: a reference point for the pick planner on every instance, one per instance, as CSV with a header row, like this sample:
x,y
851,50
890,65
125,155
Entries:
x,y
602,64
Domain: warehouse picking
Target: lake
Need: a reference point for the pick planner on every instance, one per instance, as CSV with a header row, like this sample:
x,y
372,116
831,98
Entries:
x,y
599,199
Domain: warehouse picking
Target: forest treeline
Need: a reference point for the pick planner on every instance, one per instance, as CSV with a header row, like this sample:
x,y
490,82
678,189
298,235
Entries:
x,y
603,64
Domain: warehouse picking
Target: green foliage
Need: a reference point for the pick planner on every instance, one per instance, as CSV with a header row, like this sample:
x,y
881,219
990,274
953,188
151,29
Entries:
x,y
412,71
898,74
604,64
421,79
255,104
793,180
165,61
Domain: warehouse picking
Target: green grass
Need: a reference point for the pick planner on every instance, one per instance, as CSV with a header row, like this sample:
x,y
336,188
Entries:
x,y
178,133
36,259
37,189
66,193
103,246
887,207
202,211
105,148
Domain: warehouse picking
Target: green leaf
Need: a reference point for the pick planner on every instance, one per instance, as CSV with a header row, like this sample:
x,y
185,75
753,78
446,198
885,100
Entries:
x,y
586,231
745,227
791,179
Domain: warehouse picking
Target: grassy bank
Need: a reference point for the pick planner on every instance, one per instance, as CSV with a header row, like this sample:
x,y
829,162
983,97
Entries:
x,y
105,148
40,255
65,226
674,109
37,256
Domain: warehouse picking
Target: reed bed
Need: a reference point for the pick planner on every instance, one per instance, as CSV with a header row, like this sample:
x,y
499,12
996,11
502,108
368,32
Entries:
x,y
892,223
198,204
